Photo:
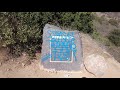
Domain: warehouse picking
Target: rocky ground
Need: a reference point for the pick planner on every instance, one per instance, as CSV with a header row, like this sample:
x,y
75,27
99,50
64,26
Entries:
x,y
98,64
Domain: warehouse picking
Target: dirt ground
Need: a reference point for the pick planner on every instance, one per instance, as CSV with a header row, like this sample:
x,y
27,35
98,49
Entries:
x,y
23,68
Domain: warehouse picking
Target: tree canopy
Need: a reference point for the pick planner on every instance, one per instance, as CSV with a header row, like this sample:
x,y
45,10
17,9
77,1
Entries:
x,y
22,31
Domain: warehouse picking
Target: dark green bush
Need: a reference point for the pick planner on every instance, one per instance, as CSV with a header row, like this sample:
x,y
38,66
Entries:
x,y
114,37
22,31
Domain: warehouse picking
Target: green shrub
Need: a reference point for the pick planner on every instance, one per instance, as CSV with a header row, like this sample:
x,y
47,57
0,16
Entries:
x,y
114,37
102,39
22,31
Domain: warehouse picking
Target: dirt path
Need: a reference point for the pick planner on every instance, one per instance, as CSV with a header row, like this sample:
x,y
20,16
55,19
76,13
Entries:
x,y
35,71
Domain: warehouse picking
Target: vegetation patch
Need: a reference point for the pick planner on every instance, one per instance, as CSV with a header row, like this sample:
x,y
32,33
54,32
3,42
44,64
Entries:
x,y
114,37
113,22
102,39
22,31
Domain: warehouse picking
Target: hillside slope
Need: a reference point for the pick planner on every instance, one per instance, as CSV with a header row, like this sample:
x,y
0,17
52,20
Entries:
x,y
105,23
22,68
